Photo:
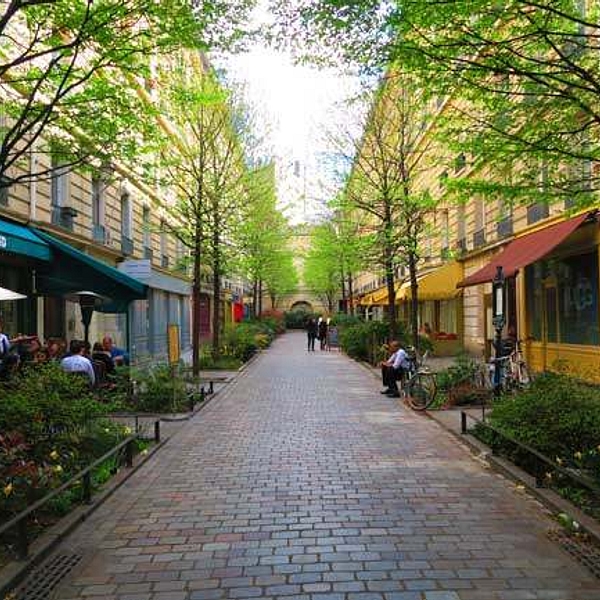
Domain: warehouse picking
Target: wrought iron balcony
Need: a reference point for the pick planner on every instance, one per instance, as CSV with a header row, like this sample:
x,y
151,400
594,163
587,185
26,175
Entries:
x,y
126,245
479,238
504,227
536,212
148,253
63,216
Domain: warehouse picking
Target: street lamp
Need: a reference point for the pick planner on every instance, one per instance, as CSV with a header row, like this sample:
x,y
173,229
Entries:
x,y
498,320
88,302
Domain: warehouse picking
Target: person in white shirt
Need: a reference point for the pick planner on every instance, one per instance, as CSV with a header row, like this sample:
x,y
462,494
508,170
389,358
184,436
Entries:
x,y
76,362
393,369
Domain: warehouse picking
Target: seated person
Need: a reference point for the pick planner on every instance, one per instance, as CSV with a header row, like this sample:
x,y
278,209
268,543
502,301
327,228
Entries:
x,y
54,350
76,362
393,369
119,356
99,354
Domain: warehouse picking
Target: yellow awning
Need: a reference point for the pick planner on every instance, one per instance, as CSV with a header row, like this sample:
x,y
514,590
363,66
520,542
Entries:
x,y
439,284
366,300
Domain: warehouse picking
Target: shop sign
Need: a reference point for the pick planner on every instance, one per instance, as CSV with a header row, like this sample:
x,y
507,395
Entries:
x,y
3,242
580,296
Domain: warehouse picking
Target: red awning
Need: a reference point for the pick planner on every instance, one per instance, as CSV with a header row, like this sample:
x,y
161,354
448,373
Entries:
x,y
525,250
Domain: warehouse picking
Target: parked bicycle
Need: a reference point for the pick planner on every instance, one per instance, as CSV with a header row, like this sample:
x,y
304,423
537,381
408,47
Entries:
x,y
419,386
514,372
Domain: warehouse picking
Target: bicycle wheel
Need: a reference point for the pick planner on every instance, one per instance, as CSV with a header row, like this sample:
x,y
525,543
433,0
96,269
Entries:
x,y
421,391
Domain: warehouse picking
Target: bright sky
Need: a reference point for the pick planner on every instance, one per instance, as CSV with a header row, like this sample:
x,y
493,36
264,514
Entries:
x,y
296,105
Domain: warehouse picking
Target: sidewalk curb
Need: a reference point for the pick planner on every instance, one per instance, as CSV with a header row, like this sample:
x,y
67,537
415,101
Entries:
x,y
550,499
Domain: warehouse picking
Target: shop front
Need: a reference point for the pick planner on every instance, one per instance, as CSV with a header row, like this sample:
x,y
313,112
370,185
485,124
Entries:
x,y
440,307
553,275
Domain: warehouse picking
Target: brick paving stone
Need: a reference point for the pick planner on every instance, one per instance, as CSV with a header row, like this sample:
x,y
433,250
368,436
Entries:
x,y
288,482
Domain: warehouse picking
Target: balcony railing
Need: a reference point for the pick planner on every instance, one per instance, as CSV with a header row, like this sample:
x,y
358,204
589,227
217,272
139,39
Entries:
x,y
126,245
504,228
148,253
536,212
479,238
164,261
63,216
99,233
461,245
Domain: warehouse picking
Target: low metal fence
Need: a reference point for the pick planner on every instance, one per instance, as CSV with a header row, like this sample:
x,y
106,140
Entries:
x,y
542,463
19,522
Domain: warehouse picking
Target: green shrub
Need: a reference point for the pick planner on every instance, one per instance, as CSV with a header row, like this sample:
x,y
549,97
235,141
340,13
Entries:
x,y
363,339
297,319
244,339
461,372
161,388
275,320
557,415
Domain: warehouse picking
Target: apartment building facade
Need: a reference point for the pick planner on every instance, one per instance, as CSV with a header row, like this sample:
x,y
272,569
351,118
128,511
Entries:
x,y
549,253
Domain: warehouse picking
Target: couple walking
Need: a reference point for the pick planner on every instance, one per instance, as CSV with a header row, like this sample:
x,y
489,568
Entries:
x,y
316,330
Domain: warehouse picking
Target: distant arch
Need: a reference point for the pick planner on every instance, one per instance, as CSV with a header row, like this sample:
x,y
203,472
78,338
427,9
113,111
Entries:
x,y
302,305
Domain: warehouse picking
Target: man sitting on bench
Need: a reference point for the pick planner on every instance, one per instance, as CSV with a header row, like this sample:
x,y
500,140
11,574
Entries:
x,y
393,369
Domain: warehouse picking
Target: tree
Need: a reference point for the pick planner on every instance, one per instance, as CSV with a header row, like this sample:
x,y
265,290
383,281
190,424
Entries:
x,y
280,277
523,79
201,160
321,265
69,69
383,188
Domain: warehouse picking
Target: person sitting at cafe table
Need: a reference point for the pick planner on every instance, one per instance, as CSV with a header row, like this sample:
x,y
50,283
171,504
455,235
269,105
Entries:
x,y
119,356
76,362
101,355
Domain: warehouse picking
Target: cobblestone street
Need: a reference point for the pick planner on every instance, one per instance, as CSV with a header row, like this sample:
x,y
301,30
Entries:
x,y
300,481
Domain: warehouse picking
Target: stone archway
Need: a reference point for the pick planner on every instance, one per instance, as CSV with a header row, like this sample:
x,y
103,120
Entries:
x,y
302,305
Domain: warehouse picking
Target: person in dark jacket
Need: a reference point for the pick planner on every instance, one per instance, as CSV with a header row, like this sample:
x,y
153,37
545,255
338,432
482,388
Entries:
x,y
323,333
312,331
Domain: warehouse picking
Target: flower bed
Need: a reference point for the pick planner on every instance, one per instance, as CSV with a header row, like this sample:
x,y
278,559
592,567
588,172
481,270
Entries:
x,y
52,427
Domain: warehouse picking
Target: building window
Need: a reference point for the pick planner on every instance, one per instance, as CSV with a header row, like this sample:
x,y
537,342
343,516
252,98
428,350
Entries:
x,y
60,184
146,227
97,201
562,300
126,216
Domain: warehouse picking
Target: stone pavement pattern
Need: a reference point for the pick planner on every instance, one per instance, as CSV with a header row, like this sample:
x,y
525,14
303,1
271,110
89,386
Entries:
x,y
302,482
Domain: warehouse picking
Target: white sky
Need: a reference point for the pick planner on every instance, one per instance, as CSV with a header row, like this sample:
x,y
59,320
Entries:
x,y
296,108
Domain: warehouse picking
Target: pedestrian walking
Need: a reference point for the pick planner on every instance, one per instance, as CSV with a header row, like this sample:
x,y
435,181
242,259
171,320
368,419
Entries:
x,y
312,331
323,333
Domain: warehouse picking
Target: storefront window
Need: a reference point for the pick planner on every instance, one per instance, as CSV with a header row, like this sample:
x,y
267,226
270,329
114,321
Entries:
x,y
448,319
578,299
562,300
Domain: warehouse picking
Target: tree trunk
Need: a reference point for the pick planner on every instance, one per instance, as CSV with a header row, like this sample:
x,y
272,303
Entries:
x,y
260,298
216,337
391,289
273,301
196,302
350,295
344,297
255,299
414,299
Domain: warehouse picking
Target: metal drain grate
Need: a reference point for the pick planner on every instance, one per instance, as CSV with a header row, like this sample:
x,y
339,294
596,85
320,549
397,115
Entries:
x,y
580,548
42,580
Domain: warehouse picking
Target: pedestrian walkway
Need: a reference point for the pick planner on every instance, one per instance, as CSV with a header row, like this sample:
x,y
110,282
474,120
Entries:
x,y
302,482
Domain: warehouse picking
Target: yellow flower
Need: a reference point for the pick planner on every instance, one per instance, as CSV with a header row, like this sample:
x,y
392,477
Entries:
x,y
54,455
106,430
8,489
57,469
578,455
144,452
128,430
559,460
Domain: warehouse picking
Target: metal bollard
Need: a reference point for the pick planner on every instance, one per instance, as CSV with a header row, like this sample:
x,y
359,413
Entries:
x,y
157,432
22,540
202,394
463,422
211,389
87,487
129,453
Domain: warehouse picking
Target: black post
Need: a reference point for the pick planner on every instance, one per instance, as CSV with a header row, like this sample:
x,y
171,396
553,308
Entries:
x,y
211,389
87,488
22,540
157,432
498,303
463,422
129,453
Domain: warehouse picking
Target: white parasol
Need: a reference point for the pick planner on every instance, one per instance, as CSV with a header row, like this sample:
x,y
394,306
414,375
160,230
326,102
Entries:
x,y
10,295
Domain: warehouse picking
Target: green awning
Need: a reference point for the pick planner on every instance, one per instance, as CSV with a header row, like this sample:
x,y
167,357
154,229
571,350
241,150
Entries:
x,y
72,270
18,239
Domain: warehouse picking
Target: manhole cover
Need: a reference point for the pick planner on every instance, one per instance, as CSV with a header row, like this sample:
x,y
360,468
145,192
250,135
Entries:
x,y
42,580
580,548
